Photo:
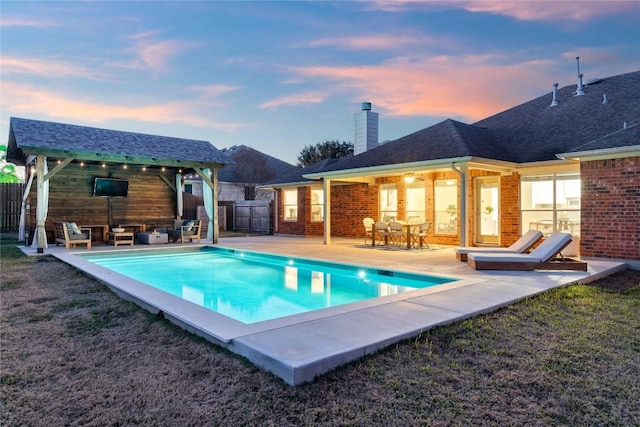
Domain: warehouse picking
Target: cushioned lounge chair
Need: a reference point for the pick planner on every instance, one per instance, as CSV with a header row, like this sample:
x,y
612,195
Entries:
x,y
185,230
520,246
541,258
69,234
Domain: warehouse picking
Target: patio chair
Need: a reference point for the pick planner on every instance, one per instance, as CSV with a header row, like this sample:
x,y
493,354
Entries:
x,y
396,234
419,238
368,228
520,246
185,230
541,258
69,234
382,233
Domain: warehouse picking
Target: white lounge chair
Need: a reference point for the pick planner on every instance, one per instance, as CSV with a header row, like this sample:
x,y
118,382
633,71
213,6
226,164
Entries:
x,y
520,246
541,258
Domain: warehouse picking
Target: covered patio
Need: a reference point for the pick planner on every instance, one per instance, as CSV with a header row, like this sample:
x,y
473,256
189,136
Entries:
x,y
300,347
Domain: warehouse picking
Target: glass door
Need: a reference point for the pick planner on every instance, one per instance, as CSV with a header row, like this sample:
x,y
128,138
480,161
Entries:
x,y
487,200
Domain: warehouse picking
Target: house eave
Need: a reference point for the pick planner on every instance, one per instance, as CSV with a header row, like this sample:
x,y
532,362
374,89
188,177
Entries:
x,y
602,154
385,170
116,158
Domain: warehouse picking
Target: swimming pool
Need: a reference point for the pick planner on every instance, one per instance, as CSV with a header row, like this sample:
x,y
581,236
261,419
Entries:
x,y
252,287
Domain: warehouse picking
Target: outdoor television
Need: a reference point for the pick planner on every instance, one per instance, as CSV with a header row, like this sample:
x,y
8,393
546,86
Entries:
x,y
109,187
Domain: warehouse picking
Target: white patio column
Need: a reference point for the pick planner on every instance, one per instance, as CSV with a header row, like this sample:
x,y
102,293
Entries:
x,y
42,207
327,211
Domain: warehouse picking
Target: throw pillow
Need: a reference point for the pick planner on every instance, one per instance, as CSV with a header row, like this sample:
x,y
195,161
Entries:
x,y
190,225
73,227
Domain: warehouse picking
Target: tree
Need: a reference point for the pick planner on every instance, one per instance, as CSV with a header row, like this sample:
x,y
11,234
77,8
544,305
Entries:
x,y
7,170
330,149
250,168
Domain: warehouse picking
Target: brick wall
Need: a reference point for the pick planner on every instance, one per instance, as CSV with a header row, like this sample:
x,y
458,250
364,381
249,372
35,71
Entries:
x,y
610,208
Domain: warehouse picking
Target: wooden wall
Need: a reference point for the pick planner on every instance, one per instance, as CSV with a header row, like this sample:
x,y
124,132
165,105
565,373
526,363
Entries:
x,y
150,200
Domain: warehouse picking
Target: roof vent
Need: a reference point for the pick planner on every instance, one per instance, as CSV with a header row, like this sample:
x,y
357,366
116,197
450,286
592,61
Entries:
x,y
554,101
604,98
580,88
624,125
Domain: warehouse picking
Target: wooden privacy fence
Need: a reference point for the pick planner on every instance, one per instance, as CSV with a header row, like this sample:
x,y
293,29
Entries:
x,y
10,204
252,216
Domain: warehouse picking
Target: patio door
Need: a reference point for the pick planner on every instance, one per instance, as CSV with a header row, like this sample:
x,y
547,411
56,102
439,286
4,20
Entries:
x,y
487,208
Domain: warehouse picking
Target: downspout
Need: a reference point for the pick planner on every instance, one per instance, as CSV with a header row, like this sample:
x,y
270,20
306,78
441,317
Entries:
x,y
463,204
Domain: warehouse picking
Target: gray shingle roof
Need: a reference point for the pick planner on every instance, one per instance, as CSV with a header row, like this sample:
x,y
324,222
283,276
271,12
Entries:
x,y
535,131
34,136
531,132
233,171
296,176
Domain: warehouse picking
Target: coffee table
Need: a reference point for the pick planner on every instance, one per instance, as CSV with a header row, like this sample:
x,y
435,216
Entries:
x,y
125,238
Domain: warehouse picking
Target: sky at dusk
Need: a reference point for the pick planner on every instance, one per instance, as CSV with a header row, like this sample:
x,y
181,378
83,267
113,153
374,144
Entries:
x,y
280,75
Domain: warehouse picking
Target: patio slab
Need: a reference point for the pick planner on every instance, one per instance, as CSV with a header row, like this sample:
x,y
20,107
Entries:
x,y
298,348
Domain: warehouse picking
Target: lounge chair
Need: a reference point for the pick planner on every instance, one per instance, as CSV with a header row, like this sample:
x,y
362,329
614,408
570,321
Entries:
x,y
185,230
520,246
69,234
541,258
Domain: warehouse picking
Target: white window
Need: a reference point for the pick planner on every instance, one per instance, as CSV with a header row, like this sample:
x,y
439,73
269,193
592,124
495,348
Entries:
x,y
317,205
551,202
445,202
290,205
388,202
415,202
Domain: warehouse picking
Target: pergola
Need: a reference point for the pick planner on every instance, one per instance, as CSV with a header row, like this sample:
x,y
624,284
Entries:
x,y
32,142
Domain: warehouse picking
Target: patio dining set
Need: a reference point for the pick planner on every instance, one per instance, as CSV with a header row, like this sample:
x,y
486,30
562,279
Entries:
x,y
397,234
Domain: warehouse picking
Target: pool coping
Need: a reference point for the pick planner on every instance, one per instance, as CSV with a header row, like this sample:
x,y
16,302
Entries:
x,y
300,347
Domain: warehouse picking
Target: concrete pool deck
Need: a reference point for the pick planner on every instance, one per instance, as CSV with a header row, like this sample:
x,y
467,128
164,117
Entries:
x,y
298,348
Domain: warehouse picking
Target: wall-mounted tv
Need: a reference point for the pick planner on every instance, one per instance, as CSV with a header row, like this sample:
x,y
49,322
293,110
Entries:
x,y
109,187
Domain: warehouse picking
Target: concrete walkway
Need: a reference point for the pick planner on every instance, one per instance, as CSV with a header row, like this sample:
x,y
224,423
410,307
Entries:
x,y
300,347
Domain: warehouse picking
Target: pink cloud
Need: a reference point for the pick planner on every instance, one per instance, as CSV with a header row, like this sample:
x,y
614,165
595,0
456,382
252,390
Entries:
x,y
45,68
29,99
374,42
295,99
150,54
12,21
558,11
470,87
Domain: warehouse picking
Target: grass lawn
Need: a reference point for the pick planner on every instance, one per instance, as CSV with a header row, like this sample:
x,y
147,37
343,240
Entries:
x,y
73,353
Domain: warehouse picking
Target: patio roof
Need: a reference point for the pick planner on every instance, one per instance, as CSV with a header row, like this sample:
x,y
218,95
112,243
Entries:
x,y
58,140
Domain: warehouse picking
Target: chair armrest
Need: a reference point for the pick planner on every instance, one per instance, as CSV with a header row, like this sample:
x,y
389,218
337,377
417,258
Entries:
x,y
86,229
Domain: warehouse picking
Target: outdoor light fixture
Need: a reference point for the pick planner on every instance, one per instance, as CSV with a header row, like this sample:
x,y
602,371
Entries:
x,y
409,177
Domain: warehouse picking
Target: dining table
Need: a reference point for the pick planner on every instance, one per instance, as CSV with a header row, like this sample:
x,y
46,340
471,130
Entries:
x,y
407,228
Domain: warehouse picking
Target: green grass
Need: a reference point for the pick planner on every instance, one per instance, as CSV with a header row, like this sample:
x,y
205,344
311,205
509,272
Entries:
x,y
73,353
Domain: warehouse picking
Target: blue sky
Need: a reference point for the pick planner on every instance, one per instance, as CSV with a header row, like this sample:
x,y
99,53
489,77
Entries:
x,y
277,76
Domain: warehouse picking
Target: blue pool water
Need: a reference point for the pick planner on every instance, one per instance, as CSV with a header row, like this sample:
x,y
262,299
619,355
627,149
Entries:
x,y
252,287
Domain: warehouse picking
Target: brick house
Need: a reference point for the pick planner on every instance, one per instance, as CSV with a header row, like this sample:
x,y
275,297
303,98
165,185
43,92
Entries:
x,y
568,160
